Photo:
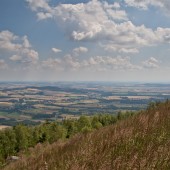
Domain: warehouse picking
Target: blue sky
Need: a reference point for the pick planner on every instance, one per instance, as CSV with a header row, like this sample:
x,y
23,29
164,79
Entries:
x,y
89,40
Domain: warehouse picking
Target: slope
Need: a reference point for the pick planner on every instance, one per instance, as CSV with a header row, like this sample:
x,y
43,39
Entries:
x,y
139,142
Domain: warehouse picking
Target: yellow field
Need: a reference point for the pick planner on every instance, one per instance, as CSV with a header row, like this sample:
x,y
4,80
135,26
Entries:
x,y
138,97
129,97
3,94
64,103
67,116
45,106
6,104
88,101
112,98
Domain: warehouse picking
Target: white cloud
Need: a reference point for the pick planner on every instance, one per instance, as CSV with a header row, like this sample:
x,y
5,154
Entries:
x,y
71,63
151,63
79,50
17,46
116,5
39,5
3,65
105,63
45,11
51,63
110,63
8,41
104,23
120,49
56,50
16,58
163,34
66,63
144,4
26,43
117,14
31,55
130,50
44,15
88,21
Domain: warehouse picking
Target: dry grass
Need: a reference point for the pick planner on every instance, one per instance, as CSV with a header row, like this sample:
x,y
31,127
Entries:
x,y
140,142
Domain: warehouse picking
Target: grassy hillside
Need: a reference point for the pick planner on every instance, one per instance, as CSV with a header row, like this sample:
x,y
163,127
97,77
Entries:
x,y
139,142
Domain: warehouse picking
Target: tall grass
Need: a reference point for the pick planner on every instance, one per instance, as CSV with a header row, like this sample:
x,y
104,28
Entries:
x,y
140,142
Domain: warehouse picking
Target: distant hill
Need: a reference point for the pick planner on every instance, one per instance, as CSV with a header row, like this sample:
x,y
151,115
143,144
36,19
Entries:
x,y
139,142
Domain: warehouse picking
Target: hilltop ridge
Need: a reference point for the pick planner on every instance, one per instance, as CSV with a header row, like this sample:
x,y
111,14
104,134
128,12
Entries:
x,y
139,142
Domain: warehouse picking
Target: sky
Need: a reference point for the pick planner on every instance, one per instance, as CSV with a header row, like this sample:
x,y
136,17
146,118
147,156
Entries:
x,y
87,40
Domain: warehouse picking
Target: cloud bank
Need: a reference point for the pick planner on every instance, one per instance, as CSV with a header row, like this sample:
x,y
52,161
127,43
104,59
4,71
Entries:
x,y
102,22
19,47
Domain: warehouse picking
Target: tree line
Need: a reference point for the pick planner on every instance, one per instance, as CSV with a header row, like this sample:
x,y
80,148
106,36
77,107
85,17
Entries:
x,y
21,137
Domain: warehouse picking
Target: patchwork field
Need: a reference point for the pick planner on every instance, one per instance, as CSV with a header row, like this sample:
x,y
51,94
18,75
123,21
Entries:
x,y
32,103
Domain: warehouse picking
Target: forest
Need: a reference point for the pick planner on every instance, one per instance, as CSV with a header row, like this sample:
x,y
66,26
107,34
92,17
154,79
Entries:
x,y
21,137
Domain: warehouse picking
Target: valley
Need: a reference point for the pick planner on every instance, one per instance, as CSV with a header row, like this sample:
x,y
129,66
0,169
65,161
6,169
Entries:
x,y
35,102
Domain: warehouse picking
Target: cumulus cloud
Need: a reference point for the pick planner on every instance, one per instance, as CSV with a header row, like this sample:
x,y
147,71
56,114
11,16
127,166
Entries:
x,y
45,11
39,4
70,62
116,5
130,50
16,58
79,50
8,41
3,65
88,21
106,63
44,15
163,34
31,55
118,48
144,4
151,63
104,22
66,63
56,50
110,63
26,43
19,47
51,63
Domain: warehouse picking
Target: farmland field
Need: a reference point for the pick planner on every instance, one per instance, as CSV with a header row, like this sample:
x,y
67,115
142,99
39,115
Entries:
x,y
32,103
